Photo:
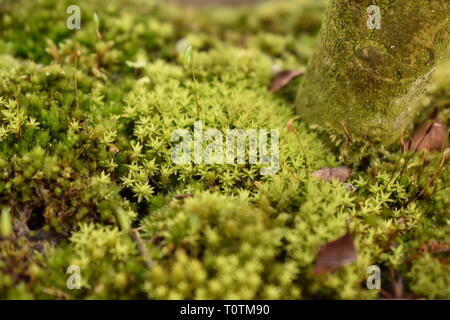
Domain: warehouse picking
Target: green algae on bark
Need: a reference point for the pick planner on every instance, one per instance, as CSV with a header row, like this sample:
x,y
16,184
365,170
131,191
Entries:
x,y
369,80
75,179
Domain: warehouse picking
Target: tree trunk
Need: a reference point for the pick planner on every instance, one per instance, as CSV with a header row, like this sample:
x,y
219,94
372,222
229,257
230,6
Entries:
x,y
369,79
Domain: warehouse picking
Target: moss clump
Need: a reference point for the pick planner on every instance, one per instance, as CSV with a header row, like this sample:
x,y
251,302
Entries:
x,y
371,79
87,177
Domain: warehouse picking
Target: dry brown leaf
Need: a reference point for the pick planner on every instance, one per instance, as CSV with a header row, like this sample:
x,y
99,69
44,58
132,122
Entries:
x,y
431,135
397,285
328,174
282,78
335,254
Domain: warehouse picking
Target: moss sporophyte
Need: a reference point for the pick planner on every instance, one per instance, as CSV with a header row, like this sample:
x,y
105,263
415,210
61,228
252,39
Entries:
x,y
235,144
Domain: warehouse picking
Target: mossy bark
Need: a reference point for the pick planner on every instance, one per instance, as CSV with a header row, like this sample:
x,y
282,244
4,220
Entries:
x,y
369,80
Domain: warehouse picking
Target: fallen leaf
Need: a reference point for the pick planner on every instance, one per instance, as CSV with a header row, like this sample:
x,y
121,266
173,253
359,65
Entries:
x,y
431,135
434,246
335,254
282,78
328,174
349,187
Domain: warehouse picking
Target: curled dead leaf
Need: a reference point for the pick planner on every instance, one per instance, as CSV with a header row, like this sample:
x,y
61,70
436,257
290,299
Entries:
x,y
335,254
282,78
431,135
328,174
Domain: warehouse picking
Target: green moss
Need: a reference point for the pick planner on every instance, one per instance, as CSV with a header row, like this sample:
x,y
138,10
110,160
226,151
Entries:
x,y
87,176
372,80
